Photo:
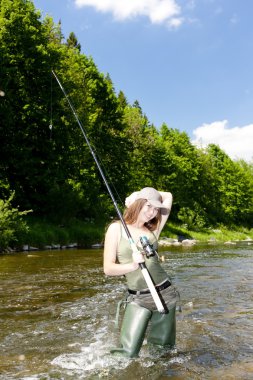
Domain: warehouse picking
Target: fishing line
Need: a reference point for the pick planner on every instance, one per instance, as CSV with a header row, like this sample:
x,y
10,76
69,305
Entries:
x,y
108,176
94,149
51,107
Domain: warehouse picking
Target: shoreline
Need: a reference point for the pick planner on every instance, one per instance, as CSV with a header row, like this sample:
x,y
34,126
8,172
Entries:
x,y
164,242
86,235
168,242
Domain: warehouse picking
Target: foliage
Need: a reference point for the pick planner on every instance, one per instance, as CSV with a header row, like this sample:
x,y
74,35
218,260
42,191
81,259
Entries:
x,y
192,219
232,190
12,224
43,233
45,159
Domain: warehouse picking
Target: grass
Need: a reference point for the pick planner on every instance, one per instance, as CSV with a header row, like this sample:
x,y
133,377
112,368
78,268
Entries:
x,y
42,233
85,234
220,233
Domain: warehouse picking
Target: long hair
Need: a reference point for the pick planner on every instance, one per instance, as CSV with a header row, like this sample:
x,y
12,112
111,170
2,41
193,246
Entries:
x,y
131,214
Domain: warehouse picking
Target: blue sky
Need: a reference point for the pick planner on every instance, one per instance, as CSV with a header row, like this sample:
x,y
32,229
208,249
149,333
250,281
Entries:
x,y
187,62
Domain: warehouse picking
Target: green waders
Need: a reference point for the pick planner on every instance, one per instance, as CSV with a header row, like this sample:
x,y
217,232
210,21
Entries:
x,y
163,328
133,330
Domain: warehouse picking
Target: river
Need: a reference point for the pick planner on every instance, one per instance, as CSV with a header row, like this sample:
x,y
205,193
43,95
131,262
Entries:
x,y
57,312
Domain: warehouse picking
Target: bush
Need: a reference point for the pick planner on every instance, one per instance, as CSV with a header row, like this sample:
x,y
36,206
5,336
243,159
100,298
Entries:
x,y
193,219
12,225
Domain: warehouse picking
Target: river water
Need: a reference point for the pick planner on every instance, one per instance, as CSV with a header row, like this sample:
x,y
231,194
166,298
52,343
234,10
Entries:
x,y
57,312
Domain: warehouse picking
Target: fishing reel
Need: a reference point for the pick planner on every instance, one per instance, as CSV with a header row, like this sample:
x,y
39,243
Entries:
x,y
147,247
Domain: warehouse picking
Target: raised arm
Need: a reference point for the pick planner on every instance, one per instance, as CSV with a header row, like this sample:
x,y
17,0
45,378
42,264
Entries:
x,y
167,199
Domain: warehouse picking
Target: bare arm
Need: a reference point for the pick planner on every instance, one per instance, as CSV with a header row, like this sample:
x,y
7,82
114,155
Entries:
x,y
167,199
111,267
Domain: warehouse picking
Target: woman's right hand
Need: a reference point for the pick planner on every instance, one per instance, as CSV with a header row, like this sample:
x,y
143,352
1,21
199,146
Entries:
x,y
138,257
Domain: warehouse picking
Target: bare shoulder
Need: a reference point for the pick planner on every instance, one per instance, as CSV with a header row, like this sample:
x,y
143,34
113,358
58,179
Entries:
x,y
114,228
112,238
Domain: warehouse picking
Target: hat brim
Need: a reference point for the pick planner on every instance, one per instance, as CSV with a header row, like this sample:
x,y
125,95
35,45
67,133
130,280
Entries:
x,y
157,204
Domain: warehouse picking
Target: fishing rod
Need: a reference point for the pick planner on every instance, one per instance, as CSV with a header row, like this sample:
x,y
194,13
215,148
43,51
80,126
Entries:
x,y
134,248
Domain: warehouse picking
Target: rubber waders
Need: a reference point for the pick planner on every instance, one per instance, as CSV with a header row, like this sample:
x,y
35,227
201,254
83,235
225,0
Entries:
x,y
134,325
163,328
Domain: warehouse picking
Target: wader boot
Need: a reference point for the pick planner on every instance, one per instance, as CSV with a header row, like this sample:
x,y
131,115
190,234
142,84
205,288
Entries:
x,y
133,330
163,328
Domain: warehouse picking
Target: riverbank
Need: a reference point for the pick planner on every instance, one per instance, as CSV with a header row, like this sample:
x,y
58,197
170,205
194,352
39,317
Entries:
x,y
220,234
42,235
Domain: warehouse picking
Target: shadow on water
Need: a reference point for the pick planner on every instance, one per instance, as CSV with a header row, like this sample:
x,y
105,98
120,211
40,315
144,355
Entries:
x,y
57,313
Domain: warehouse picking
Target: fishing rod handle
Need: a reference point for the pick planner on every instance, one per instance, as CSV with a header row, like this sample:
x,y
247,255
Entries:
x,y
149,282
152,289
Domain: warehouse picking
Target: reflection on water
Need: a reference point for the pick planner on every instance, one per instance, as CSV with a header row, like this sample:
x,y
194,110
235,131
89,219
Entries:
x,y
57,313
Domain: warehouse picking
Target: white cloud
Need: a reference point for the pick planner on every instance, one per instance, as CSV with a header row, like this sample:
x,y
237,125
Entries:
x,y
158,11
237,142
234,19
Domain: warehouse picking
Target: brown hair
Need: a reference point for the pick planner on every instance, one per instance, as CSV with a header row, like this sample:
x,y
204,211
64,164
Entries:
x,y
132,212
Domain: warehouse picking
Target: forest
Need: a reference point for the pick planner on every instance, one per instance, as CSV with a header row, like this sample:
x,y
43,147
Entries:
x,y
47,172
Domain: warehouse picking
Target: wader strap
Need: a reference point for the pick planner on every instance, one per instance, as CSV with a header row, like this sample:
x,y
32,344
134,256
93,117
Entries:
x,y
179,301
124,301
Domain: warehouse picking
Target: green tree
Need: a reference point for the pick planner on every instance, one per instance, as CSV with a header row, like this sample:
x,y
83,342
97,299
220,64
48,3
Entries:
x,y
99,111
122,100
72,41
44,156
52,164
141,137
27,154
180,167
232,200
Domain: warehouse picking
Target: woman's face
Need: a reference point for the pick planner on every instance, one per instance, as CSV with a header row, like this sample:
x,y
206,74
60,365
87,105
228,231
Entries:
x,y
148,212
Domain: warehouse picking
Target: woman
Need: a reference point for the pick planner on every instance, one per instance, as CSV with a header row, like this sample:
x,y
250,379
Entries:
x,y
146,214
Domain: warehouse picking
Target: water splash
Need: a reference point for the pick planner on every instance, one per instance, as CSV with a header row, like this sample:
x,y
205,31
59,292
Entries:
x,y
93,357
